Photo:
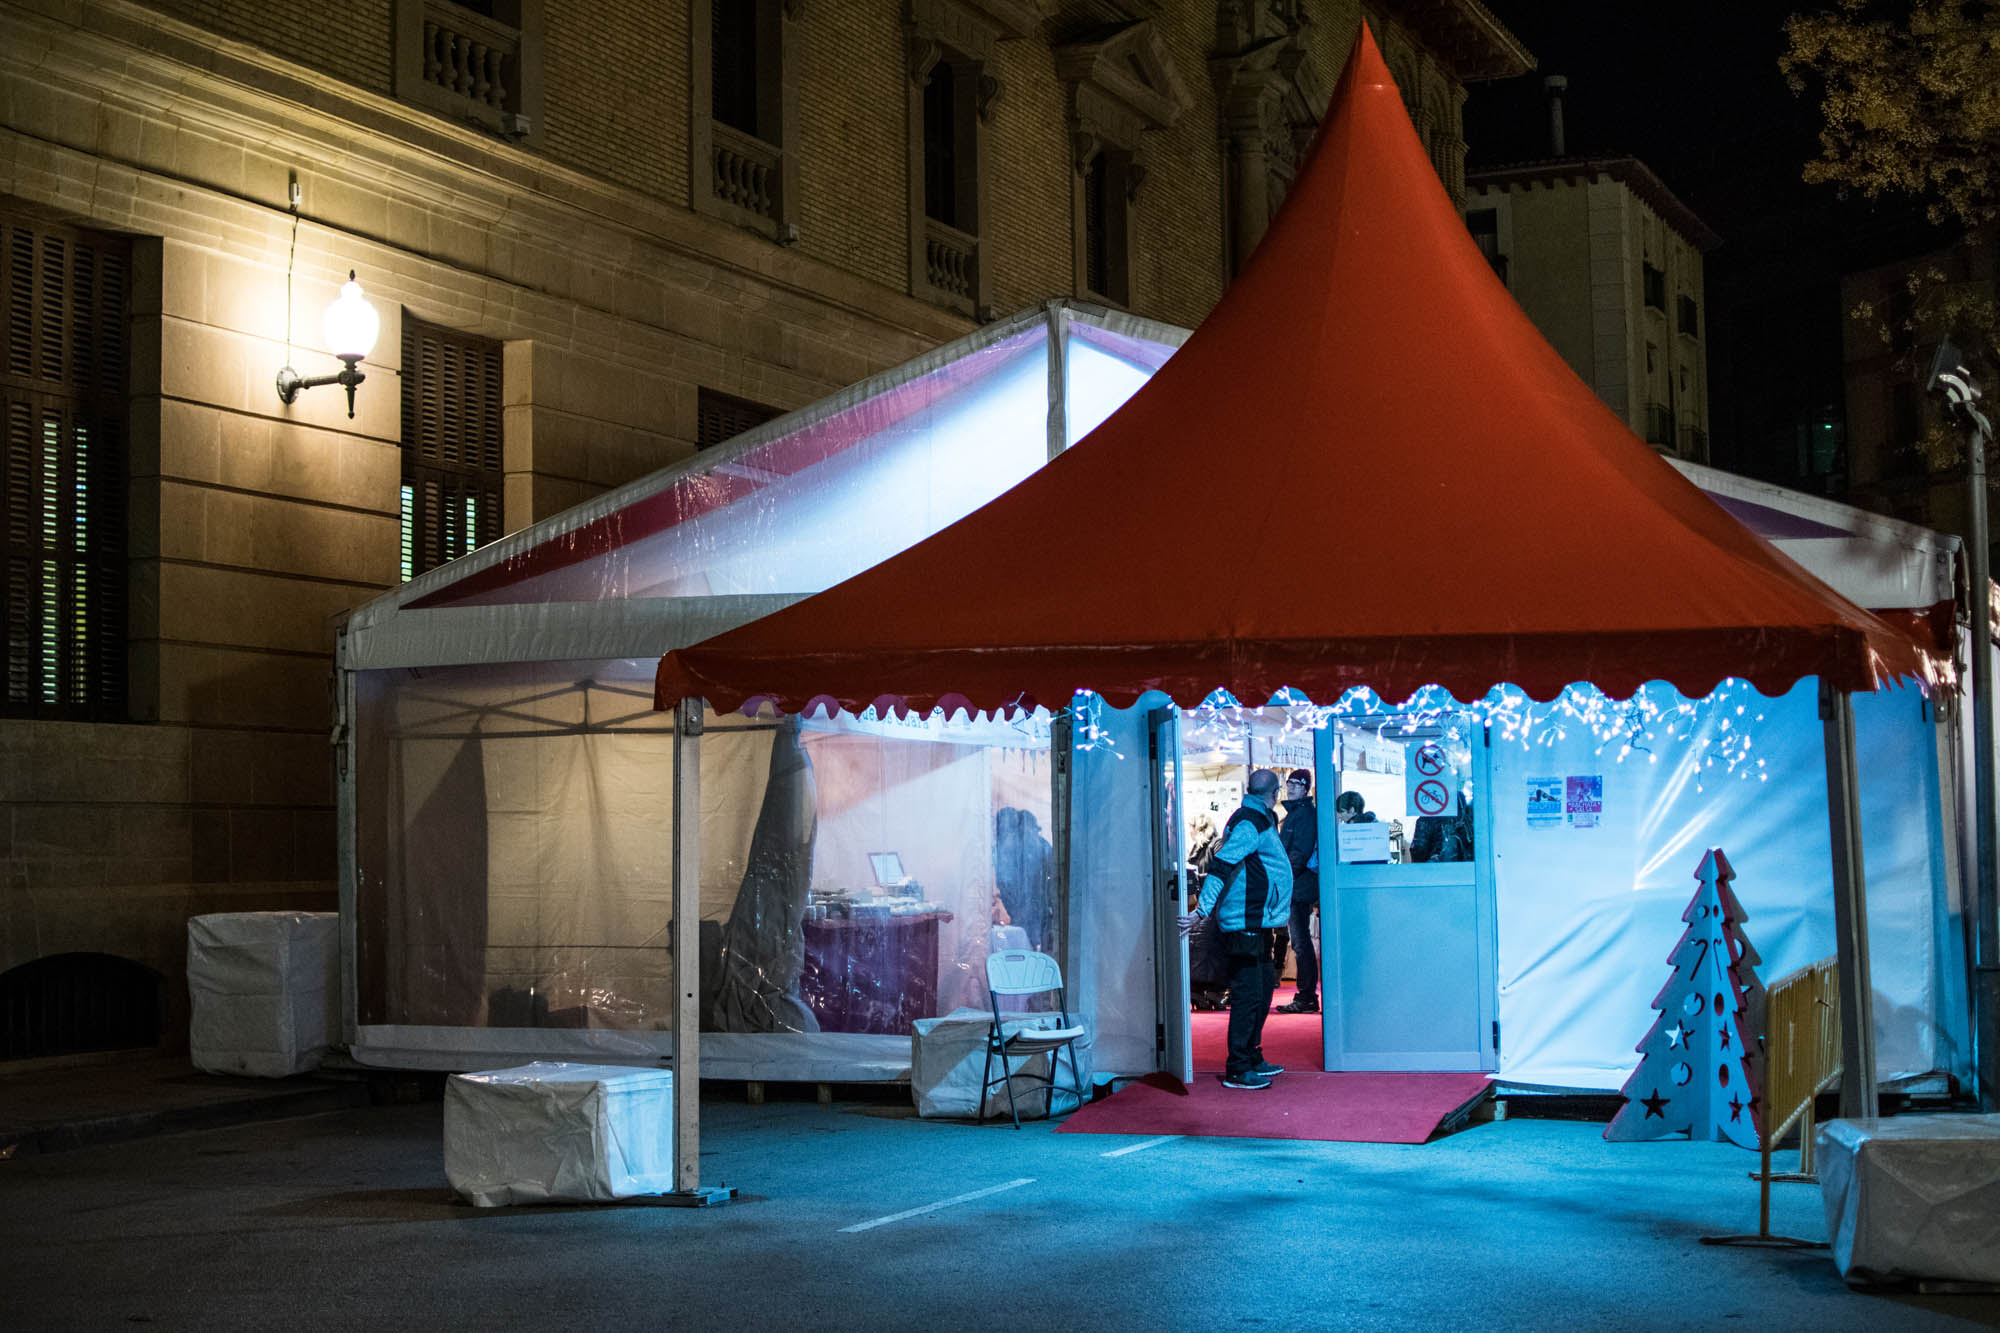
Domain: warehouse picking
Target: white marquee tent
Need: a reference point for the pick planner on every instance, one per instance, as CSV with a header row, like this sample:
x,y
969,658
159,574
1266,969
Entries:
x,y
506,802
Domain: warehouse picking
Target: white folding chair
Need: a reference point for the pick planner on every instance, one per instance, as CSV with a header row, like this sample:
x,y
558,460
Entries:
x,y
1022,972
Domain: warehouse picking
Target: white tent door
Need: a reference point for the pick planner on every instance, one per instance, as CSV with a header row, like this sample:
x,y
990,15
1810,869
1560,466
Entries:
x,y
1163,745
1408,935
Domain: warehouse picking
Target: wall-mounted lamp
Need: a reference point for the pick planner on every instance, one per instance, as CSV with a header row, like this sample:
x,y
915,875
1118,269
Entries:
x,y
351,326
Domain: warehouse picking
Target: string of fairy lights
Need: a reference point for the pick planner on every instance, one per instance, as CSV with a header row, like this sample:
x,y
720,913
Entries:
x,y
1720,726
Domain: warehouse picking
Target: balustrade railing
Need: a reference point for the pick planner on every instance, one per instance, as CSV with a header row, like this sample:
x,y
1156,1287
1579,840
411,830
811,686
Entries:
x,y
951,260
746,171
472,58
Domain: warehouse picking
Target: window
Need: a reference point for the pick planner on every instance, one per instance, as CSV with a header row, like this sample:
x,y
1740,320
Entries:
x,y
734,66
1656,288
1484,224
63,311
742,114
720,417
1659,424
948,183
477,62
1121,84
1690,317
942,155
452,480
1108,184
949,48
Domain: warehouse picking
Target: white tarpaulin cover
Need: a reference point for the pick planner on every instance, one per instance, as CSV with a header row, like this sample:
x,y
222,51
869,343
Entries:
x,y
557,1132
263,991
1913,1197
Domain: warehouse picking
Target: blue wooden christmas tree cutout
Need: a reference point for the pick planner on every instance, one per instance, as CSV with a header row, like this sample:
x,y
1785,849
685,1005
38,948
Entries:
x,y
1701,1068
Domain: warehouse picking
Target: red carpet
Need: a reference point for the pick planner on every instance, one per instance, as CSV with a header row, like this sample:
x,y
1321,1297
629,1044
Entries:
x,y
1303,1103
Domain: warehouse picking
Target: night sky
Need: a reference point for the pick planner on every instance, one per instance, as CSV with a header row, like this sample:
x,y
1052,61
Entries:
x,y
1693,90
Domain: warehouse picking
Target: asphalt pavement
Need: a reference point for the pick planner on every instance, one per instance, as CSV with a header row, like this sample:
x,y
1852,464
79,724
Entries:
x,y
858,1215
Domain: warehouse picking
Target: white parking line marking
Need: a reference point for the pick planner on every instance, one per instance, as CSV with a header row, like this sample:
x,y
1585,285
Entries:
x,y
1140,1147
941,1203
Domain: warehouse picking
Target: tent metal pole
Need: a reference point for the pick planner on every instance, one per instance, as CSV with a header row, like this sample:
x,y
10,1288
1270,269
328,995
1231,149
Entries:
x,y
1058,379
687,961
1858,1092
347,813
1951,379
1986,969
1061,775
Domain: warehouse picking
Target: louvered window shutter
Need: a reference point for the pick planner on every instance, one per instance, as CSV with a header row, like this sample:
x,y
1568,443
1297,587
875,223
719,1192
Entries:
x,y
719,417
452,478
63,311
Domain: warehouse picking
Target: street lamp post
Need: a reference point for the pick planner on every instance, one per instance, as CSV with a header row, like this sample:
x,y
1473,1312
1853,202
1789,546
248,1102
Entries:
x,y
1952,378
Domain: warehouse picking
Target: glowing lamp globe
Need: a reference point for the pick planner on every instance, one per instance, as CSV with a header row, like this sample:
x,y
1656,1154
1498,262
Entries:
x,y
351,323
351,326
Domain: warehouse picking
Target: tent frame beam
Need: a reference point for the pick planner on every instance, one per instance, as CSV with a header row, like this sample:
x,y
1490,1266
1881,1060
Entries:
x,y
688,1190
1859,1094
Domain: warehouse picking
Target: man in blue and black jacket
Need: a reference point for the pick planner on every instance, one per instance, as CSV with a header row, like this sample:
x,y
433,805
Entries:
x,y
1248,890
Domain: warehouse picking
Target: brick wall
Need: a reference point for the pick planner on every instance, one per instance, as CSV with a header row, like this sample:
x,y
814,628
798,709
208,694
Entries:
x,y
350,41
615,92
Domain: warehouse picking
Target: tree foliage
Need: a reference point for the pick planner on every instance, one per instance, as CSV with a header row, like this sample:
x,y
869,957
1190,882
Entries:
x,y
1910,99
1911,96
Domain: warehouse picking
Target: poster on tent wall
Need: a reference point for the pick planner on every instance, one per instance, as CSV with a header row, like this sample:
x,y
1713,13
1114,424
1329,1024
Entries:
x,y
1545,801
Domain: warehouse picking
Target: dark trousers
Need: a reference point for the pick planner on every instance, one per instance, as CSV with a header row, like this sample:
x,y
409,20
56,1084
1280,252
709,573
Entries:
x,y
1252,980
1302,945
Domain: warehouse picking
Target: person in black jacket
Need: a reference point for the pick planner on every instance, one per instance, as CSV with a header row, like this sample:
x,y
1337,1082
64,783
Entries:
x,y
1300,836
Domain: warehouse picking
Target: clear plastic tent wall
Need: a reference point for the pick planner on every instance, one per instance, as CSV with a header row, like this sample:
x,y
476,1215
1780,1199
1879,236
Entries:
x,y
508,881
855,873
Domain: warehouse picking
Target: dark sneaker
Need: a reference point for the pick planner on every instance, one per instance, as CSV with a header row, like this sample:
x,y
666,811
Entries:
x,y
1251,1081
1268,1070
1298,1007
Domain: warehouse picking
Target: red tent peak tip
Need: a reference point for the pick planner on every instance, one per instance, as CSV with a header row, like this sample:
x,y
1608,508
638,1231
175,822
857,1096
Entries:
x,y
1365,61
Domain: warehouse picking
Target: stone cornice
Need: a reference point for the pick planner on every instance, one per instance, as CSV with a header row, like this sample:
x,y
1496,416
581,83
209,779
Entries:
x,y
972,27
1466,37
1630,172
360,154
1129,68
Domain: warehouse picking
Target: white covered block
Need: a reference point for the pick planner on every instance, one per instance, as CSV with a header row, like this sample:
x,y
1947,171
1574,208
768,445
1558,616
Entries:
x,y
948,1059
559,1132
1913,1196
263,991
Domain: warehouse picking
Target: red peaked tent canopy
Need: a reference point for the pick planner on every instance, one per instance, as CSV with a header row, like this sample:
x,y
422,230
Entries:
x,y
1365,468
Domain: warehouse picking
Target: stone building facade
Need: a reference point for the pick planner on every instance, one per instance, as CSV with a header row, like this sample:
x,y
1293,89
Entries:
x,y
1608,264
597,238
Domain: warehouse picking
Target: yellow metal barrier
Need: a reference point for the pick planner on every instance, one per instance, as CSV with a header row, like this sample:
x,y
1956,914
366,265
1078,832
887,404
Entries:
x,y
1801,1058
